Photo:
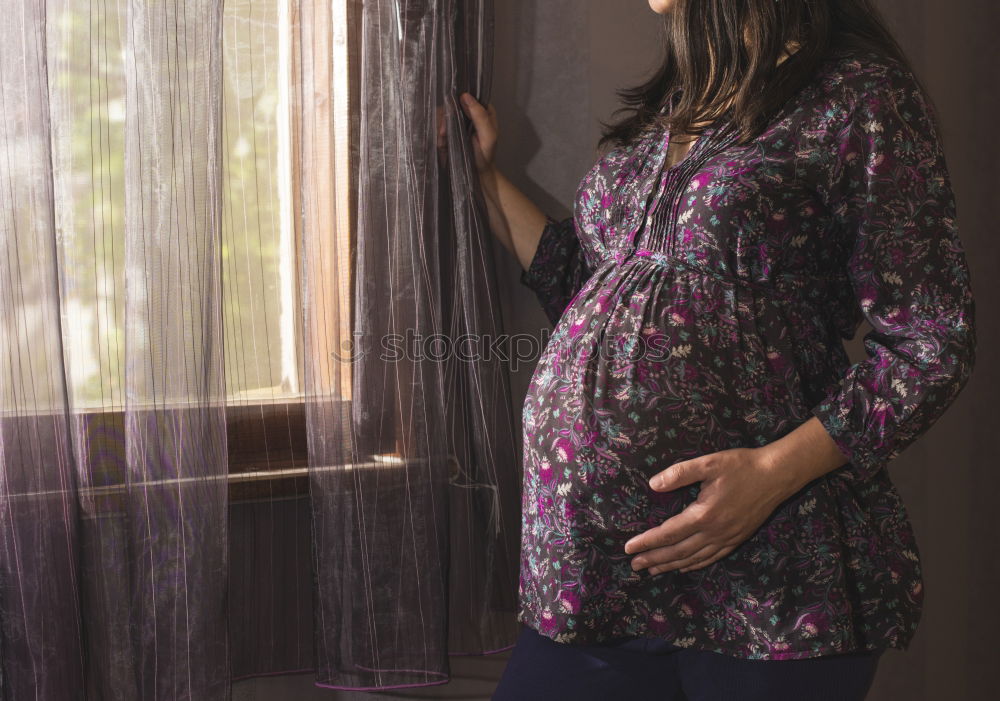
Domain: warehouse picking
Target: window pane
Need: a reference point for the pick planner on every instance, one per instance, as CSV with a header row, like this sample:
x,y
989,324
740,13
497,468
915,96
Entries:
x,y
259,272
87,83
258,254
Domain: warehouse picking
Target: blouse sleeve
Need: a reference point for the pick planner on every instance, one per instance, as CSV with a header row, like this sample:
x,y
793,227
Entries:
x,y
890,192
559,267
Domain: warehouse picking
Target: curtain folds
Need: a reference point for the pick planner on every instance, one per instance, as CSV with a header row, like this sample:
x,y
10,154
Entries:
x,y
149,547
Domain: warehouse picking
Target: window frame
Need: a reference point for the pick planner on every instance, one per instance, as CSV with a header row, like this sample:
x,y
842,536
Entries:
x,y
266,439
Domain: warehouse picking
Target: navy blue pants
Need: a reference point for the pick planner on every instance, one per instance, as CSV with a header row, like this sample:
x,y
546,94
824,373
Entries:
x,y
650,668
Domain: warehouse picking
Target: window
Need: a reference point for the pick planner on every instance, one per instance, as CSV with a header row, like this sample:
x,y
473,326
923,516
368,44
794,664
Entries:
x,y
286,131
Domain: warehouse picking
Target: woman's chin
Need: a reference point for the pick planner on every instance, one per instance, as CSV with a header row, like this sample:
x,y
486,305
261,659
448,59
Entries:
x,y
660,6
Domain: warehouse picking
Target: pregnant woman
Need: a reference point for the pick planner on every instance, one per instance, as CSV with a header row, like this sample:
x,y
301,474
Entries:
x,y
707,513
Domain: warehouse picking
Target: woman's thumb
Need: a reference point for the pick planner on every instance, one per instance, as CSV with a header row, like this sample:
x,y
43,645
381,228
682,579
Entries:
x,y
476,112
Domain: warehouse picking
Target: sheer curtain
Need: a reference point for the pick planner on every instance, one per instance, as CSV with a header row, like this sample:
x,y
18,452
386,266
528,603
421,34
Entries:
x,y
429,524
249,420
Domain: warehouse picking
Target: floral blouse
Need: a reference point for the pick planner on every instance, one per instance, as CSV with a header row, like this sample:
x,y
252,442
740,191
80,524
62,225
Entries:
x,y
701,307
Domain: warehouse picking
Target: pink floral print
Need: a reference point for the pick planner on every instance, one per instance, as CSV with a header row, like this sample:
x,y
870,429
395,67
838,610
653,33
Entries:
x,y
703,306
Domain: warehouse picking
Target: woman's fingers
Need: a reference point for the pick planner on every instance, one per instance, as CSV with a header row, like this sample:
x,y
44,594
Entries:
x,y
703,557
442,126
700,563
484,122
670,553
479,115
442,136
672,531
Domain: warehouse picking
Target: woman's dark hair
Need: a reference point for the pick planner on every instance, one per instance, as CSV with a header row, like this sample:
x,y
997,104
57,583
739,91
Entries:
x,y
724,53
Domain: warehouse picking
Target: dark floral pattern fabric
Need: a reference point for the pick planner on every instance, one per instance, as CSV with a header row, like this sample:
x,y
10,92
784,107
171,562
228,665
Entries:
x,y
702,306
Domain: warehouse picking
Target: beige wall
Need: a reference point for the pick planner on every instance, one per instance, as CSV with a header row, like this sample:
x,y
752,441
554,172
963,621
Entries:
x,y
558,63
557,66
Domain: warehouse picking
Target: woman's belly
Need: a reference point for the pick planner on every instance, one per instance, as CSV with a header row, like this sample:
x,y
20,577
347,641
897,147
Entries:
x,y
649,365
